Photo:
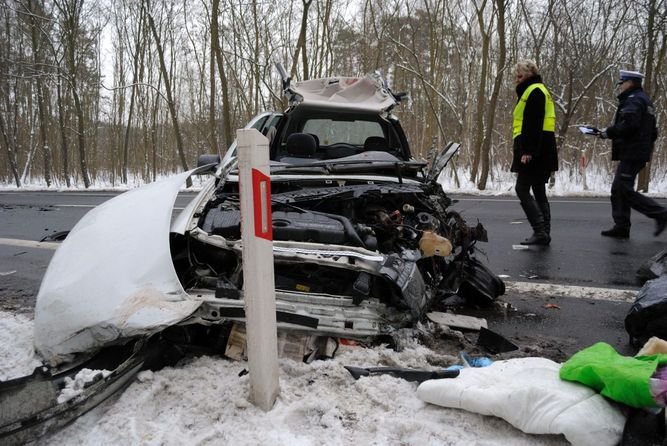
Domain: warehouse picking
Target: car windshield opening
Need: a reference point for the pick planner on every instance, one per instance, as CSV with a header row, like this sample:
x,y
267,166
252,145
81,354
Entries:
x,y
330,131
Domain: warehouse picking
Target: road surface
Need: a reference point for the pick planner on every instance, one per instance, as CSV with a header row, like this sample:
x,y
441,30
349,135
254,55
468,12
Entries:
x,y
560,298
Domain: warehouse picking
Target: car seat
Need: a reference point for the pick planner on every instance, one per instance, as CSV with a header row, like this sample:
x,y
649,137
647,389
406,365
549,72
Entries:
x,y
375,143
299,146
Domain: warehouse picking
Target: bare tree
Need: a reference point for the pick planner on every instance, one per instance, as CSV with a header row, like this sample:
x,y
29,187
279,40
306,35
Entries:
x,y
168,90
73,41
191,72
8,135
11,151
485,33
301,48
224,84
500,6
34,14
656,22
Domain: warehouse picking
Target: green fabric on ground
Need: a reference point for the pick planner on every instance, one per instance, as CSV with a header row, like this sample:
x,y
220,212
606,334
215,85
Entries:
x,y
620,378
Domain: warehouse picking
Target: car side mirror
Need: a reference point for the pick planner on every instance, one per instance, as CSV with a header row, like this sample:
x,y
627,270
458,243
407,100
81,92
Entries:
x,y
204,160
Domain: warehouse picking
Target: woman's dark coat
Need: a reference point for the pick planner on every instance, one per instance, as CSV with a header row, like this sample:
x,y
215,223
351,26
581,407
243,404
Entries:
x,y
541,145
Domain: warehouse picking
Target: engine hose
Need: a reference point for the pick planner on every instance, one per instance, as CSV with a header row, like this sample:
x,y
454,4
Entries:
x,y
350,232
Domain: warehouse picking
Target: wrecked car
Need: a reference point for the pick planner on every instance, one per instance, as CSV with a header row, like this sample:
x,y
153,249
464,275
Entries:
x,y
364,240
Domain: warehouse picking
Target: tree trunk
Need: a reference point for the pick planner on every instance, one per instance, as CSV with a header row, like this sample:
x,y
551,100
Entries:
x,y
227,136
491,109
301,43
481,95
651,33
64,149
213,126
138,60
81,138
170,99
11,152
71,12
41,91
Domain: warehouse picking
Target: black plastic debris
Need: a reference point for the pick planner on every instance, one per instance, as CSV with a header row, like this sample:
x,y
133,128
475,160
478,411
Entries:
x,y
480,286
644,427
494,343
403,373
55,237
648,315
653,268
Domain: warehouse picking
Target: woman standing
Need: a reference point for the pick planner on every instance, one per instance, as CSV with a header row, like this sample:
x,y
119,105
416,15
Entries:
x,y
534,150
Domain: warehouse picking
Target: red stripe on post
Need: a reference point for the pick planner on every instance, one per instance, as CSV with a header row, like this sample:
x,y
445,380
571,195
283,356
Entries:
x,y
261,200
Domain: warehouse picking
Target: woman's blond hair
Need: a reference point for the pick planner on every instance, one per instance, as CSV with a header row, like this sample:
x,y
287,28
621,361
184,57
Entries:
x,y
526,66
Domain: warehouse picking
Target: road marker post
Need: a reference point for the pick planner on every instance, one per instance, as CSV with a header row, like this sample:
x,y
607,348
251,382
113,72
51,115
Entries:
x,y
258,275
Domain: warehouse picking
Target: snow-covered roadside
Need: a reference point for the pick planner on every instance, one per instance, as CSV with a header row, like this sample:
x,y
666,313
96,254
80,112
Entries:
x,y
17,357
204,401
500,183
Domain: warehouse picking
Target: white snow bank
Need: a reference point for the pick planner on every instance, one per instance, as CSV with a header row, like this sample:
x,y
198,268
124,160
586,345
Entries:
x,y
75,386
500,182
17,355
204,401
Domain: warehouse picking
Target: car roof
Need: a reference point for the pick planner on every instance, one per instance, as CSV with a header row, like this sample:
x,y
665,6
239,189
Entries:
x,y
367,94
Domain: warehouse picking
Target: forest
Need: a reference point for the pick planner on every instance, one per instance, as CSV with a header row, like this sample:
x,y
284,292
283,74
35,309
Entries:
x,y
127,91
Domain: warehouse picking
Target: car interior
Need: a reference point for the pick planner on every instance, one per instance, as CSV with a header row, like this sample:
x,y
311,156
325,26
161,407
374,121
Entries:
x,y
307,135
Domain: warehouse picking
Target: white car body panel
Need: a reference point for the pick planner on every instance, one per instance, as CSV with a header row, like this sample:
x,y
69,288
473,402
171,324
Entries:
x,y
113,276
350,93
180,223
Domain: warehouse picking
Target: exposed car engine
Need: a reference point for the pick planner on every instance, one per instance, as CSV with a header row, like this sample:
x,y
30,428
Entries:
x,y
425,249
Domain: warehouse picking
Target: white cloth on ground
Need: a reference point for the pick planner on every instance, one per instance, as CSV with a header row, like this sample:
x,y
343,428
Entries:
x,y
529,394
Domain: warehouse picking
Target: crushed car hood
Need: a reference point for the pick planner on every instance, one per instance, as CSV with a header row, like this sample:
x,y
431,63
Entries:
x,y
113,277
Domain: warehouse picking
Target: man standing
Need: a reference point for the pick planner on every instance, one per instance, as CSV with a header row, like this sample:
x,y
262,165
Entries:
x,y
632,138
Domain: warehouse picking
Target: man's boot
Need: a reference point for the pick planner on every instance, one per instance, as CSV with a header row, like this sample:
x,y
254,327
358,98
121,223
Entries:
x,y
546,215
536,220
660,225
616,232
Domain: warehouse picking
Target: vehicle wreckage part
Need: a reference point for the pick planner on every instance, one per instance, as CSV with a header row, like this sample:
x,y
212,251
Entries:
x,y
352,93
653,268
310,313
82,305
403,373
432,244
646,318
182,220
494,342
439,162
403,274
479,284
286,226
29,405
206,160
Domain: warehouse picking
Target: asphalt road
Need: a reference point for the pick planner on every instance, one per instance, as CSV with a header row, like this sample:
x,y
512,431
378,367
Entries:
x,y
578,254
551,324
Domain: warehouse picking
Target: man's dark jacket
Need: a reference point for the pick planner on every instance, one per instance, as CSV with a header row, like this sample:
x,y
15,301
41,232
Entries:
x,y
533,140
634,130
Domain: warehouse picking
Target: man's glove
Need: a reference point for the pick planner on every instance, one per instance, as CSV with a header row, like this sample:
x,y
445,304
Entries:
x,y
603,134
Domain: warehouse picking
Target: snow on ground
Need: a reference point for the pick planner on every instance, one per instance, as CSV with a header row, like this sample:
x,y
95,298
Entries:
x,y
16,351
567,183
500,182
204,401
